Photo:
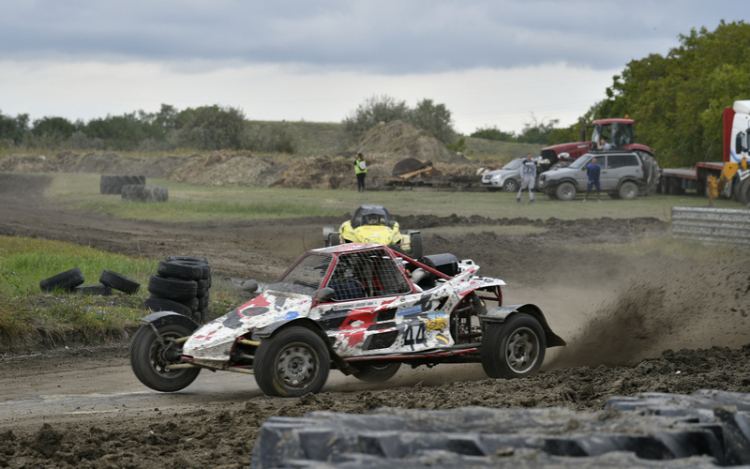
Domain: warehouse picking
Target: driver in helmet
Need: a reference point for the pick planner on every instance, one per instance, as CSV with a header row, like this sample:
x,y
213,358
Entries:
x,y
372,219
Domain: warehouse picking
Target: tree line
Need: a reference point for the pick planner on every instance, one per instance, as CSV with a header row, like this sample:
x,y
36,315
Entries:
x,y
201,128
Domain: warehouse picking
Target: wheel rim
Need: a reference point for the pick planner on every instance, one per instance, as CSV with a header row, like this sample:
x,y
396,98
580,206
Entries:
x,y
296,366
158,355
522,350
510,186
566,192
629,192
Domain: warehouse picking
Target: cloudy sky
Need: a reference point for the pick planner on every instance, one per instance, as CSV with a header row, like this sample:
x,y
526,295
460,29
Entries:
x,y
493,63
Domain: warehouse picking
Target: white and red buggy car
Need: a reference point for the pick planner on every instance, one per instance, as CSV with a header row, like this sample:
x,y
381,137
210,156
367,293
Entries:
x,y
361,308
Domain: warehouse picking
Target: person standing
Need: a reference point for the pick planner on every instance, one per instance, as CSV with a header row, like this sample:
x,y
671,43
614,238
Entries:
x,y
593,171
528,176
360,169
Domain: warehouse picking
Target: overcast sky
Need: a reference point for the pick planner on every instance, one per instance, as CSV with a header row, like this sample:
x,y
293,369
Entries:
x,y
500,63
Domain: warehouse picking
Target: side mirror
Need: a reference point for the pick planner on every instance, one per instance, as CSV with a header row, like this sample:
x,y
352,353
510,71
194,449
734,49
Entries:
x,y
250,286
325,295
739,143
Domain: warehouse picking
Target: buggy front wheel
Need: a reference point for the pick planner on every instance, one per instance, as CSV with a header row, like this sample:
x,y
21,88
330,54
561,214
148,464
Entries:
x,y
514,348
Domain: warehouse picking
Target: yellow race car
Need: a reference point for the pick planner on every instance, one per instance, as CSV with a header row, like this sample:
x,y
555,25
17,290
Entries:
x,y
372,224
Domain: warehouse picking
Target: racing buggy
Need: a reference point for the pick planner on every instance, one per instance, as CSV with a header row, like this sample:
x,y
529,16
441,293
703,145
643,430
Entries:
x,y
373,224
363,309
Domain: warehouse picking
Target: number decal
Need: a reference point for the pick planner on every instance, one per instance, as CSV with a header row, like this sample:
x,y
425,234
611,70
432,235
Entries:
x,y
414,334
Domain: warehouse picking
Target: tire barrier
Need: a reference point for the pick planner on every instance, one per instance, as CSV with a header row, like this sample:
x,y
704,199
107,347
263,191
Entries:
x,y
72,280
119,282
181,285
712,428
145,193
67,280
113,184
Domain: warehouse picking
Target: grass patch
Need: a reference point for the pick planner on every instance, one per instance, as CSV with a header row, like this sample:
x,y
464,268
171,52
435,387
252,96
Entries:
x,y
25,311
198,203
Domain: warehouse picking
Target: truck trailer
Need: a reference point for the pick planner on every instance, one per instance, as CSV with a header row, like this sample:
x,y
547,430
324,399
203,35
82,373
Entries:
x,y
731,175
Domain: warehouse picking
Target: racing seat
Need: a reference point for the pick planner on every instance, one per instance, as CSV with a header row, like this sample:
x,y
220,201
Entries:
x,y
347,290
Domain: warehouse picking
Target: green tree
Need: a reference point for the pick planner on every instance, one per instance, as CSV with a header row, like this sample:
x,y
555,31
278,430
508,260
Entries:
x,y
373,111
53,125
14,128
493,133
434,118
677,100
211,128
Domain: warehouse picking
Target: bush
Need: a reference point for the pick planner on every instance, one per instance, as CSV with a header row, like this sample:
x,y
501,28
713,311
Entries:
x,y
434,118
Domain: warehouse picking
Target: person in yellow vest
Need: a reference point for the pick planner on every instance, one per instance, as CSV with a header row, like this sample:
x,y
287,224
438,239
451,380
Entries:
x,y
360,169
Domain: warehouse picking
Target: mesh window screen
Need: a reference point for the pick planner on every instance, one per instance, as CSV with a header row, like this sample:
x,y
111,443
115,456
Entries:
x,y
367,274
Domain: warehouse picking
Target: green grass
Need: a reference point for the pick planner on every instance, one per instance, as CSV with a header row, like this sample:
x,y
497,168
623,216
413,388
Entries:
x,y
26,311
199,203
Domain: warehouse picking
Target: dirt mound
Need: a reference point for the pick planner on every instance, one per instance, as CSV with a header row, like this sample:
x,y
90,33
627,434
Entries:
x,y
398,140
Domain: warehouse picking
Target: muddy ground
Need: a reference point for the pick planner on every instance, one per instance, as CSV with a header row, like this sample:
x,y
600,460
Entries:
x,y
633,324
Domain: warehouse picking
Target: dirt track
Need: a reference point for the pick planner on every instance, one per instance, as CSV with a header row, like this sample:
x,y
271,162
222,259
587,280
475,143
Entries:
x,y
83,408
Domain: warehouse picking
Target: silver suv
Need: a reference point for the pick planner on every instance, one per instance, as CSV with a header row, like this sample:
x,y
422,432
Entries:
x,y
507,178
622,176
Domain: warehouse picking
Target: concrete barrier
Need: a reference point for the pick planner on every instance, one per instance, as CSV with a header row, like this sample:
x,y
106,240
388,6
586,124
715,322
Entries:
x,y
712,225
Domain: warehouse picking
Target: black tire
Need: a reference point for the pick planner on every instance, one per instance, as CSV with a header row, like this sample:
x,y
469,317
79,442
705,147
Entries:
x,y
113,184
333,239
377,373
514,348
202,288
510,185
743,195
145,193
628,190
417,247
180,269
652,173
172,288
119,282
149,358
203,300
292,363
198,260
67,280
155,304
566,191
94,289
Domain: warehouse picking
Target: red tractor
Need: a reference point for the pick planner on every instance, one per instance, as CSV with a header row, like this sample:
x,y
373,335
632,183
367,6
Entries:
x,y
617,134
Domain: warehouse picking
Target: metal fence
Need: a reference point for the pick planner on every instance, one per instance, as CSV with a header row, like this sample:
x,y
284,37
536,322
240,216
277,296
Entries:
x,y
712,225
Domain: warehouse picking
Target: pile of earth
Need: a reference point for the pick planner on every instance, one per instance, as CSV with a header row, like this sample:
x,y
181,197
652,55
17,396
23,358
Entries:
x,y
383,145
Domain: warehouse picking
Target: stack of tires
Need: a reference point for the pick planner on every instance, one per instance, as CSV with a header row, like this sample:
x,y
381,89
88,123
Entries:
x,y
113,184
72,280
145,193
181,285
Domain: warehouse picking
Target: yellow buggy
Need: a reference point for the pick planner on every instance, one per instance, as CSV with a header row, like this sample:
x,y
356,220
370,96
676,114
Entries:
x,y
372,224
